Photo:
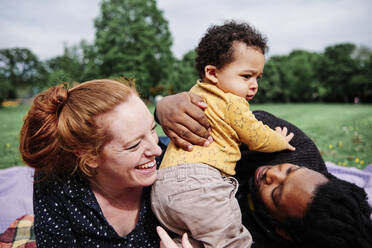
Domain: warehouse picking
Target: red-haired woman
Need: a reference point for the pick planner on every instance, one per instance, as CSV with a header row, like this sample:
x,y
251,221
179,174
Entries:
x,y
93,148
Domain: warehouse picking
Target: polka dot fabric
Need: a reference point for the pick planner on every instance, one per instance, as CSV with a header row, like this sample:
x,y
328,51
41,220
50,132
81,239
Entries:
x,y
67,214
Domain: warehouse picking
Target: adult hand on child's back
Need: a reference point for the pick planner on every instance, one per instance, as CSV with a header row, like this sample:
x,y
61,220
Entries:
x,y
284,132
183,120
167,242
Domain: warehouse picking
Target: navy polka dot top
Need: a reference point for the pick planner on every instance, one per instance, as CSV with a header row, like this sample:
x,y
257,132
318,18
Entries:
x,y
67,214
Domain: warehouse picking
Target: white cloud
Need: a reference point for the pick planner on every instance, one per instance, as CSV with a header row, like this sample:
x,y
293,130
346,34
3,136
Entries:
x,y
43,26
311,25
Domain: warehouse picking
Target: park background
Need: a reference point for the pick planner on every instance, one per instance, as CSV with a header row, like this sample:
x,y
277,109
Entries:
x,y
318,73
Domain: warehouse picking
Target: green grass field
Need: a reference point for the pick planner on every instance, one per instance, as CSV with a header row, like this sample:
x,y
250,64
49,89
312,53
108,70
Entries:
x,y
342,132
10,124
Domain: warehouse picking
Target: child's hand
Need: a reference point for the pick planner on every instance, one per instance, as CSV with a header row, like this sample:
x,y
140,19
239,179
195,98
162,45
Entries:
x,y
283,132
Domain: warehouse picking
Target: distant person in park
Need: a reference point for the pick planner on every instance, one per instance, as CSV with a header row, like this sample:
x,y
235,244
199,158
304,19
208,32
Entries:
x,y
288,198
230,61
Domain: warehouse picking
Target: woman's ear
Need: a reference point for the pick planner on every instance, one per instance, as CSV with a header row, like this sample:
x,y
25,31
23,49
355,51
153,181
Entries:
x,y
92,162
282,233
210,73
90,159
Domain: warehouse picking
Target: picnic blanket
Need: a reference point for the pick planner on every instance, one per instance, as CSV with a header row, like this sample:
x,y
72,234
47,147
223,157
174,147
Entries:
x,y
15,194
19,234
362,178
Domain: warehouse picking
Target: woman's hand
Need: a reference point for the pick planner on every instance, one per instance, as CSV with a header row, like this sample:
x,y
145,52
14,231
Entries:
x,y
167,242
183,120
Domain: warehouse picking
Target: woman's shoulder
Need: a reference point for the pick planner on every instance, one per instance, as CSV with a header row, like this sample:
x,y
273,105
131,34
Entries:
x,y
67,185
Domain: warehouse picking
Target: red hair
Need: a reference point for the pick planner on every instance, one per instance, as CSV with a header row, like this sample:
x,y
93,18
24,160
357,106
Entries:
x,y
60,131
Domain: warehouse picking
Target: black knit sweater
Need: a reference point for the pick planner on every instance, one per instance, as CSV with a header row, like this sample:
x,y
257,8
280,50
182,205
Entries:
x,y
306,154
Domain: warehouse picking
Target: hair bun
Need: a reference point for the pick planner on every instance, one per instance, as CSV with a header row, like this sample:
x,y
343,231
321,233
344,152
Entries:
x,y
58,98
39,134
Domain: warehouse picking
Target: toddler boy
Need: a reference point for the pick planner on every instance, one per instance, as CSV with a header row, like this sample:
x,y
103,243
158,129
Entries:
x,y
195,191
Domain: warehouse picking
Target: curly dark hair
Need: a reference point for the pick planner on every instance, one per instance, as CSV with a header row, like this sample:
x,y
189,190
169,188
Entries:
x,y
215,47
338,216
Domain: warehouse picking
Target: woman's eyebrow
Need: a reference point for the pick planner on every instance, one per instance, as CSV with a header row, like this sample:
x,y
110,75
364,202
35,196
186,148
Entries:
x,y
279,197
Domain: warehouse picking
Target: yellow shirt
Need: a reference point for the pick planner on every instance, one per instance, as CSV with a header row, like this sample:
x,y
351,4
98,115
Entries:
x,y
232,124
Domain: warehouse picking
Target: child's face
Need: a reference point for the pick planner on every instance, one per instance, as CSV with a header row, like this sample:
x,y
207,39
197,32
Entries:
x,y
241,75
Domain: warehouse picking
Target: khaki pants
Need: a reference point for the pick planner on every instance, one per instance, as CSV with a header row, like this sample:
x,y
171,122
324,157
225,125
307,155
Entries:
x,y
196,199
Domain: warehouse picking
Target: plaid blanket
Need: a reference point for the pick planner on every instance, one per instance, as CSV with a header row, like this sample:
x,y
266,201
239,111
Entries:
x,y
19,234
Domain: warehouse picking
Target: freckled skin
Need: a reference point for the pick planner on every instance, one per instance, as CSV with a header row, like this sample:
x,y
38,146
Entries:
x,y
134,144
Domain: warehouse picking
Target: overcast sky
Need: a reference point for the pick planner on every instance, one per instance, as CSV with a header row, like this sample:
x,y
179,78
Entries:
x,y
45,25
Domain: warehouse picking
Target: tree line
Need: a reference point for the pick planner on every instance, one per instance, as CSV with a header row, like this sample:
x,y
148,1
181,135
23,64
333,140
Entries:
x,y
133,40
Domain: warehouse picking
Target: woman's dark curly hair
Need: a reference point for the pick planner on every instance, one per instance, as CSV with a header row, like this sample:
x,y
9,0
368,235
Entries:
x,y
215,48
338,216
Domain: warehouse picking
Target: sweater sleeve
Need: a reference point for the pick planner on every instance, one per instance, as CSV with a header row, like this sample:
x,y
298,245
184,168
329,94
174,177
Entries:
x,y
253,133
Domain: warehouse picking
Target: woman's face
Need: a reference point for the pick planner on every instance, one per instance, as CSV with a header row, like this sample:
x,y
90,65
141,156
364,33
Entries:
x,y
128,160
286,189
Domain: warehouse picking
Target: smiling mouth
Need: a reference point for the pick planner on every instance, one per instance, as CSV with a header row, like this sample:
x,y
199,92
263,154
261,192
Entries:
x,y
146,166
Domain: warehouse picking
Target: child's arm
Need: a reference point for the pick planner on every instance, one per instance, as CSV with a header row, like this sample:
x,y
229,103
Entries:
x,y
256,135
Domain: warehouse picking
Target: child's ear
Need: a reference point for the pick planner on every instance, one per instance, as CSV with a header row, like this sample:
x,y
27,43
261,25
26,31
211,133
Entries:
x,y
210,72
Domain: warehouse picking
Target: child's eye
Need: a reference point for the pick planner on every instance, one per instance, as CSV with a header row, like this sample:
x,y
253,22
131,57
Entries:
x,y
247,76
